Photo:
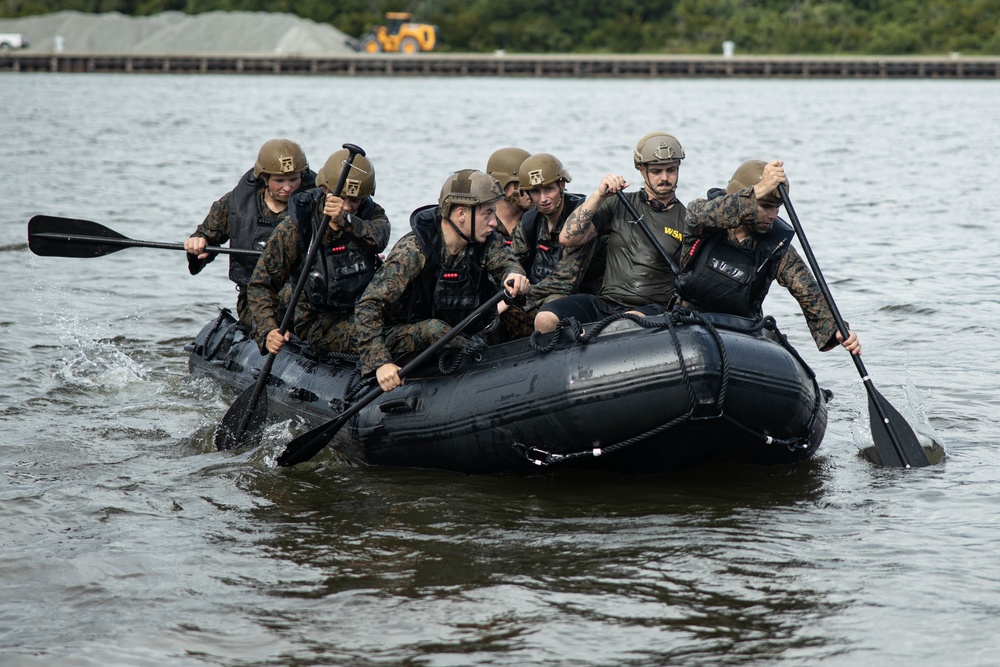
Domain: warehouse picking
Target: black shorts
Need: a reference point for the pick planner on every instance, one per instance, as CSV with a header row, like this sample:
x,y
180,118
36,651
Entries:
x,y
592,308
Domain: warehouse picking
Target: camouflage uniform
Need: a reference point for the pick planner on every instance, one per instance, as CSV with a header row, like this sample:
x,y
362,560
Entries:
x,y
575,264
215,229
281,265
731,211
508,237
382,332
516,322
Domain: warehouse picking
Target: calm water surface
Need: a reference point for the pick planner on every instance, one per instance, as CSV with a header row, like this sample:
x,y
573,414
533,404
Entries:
x,y
127,541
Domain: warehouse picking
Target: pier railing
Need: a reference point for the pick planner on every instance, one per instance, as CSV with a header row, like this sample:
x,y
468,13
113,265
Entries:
x,y
488,65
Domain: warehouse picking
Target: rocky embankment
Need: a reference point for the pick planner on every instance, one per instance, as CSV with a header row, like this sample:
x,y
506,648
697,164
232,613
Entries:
x,y
250,33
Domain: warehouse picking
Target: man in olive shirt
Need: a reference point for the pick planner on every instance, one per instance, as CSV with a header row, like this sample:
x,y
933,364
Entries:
x,y
637,277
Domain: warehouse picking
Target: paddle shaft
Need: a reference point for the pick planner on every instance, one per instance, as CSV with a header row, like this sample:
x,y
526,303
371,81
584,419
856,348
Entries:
x,y
103,240
649,234
60,237
309,444
286,321
873,394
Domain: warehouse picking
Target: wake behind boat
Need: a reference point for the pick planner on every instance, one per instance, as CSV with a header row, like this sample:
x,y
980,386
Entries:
x,y
630,394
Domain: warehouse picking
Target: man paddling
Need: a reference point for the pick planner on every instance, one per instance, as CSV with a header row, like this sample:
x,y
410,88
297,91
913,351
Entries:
x,y
735,246
638,276
435,276
357,231
248,214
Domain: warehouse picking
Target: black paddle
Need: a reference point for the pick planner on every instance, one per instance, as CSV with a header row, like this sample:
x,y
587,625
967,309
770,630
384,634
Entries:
x,y
50,236
896,443
311,443
243,424
649,234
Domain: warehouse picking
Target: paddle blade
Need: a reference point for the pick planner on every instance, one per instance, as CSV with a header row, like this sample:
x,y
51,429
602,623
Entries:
x,y
50,236
243,425
895,442
309,444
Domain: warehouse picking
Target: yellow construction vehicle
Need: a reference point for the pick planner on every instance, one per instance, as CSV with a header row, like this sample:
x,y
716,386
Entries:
x,y
398,35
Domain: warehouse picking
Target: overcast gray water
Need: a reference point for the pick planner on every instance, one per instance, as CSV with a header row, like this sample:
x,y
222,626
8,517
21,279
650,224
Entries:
x,y
126,540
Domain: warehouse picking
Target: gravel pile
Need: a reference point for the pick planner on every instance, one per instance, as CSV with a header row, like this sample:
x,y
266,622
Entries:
x,y
169,33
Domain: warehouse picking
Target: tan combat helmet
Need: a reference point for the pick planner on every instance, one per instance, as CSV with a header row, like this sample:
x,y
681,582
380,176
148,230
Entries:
x,y
504,162
279,157
541,169
360,182
748,175
468,187
657,148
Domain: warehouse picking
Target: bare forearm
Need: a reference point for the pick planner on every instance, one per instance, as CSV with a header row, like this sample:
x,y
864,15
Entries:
x,y
579,227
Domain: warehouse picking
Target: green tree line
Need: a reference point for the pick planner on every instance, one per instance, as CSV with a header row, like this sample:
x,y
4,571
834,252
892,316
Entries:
x,y
884,27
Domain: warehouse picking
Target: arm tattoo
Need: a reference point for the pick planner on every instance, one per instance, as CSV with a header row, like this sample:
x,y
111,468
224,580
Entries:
x,y
578,223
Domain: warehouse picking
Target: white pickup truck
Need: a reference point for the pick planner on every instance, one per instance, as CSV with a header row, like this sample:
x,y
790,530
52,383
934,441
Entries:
x,y
12,40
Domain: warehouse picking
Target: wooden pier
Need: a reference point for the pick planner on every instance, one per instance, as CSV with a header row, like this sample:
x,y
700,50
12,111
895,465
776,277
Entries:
x,y
564,66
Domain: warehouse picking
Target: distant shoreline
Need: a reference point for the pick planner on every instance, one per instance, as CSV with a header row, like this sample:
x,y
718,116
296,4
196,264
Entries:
x,y
516,65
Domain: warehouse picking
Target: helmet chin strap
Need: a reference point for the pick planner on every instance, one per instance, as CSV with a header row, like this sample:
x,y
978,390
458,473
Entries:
x,y
653,203
459,231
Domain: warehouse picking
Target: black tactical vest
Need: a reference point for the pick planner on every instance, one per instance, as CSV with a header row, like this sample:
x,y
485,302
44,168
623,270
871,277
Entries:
x,y
341,270
724,278
448,294
543,258
249,228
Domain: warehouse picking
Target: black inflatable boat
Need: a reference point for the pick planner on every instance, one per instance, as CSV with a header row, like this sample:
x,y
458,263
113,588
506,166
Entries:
x,y
630,394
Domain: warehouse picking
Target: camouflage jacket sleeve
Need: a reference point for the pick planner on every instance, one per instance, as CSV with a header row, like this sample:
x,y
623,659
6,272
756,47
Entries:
x,y
723,212
282,255
566,278
372,232
795,276
501,262
373,311
568,273
215,229
519,247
